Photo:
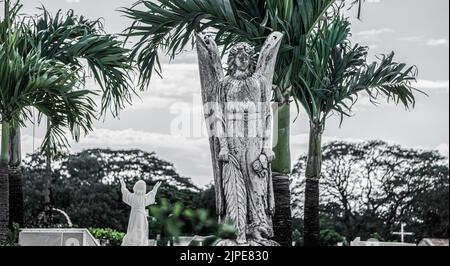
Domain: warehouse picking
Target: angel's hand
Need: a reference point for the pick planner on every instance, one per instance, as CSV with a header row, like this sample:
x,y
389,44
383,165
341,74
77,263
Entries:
x,y
224,155
270,155
206,39
157,186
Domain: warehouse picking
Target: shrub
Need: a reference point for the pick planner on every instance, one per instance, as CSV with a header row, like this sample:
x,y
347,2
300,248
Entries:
x,y
107,236
13,236
329,238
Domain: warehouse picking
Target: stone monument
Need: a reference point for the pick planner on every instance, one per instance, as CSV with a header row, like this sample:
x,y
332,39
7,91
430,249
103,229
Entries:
x,y
65,237
238,112
137,232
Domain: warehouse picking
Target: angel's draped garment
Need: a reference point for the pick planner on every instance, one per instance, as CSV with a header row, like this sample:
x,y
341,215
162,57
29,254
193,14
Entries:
x,y
137,232
245,129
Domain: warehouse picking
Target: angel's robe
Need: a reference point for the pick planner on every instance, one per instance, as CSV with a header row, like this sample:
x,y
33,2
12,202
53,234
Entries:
x,y
137,232
245,129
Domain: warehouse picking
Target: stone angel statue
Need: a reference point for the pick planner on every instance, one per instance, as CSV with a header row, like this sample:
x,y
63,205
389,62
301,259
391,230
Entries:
x,y
238,112
137,232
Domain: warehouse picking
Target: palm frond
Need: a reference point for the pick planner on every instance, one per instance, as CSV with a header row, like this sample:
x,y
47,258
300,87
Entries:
x,y
71,39
170,25
337,72
30,80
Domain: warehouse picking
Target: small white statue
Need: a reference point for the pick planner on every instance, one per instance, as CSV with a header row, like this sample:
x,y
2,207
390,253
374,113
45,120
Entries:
x,y
137,233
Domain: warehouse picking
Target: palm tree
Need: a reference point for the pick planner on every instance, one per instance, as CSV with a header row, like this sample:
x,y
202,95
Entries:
x,y
335,75
27,80
172,24
74,40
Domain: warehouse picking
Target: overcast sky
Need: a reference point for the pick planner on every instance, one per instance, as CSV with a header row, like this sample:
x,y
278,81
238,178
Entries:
x,y
417,30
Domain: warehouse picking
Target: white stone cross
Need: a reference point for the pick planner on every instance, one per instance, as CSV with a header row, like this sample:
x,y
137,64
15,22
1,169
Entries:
x,y
402,233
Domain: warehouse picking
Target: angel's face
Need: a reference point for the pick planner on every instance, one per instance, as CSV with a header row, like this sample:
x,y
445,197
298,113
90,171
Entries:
x,y
242,61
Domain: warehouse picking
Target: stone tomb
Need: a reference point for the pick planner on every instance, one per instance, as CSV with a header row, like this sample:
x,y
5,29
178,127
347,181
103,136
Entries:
x,y
57,237
375,243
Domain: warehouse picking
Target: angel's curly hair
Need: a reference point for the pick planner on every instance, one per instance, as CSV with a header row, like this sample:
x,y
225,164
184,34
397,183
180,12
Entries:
x,y
237,49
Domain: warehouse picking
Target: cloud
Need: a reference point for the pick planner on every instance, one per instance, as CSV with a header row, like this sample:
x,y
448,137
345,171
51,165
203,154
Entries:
x,y
300,142
372,36
303,139
191,156
443,149
179,80
134,139
374,32
437,42
433,85
150,103
411,38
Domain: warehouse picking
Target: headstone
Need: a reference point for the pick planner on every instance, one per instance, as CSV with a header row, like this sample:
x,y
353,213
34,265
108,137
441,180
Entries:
x,y
434,242
152,243
402,233
183,241
376,243
201,241
57,237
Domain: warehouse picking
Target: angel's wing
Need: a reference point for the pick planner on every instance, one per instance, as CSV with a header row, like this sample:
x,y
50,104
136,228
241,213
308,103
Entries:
x,y
211,73
210,64
268,55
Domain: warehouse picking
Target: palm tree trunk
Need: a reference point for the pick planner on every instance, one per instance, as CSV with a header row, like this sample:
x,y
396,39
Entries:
x,y
311,225
4,184
281,167
15,179
47,183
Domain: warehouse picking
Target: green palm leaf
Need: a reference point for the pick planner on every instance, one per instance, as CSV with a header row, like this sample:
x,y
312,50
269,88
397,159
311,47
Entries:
x,y
29,79
336,73
73,40
170,25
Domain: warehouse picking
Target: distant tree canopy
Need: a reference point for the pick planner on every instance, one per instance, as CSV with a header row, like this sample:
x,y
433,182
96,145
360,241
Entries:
x,y
369,189
86,186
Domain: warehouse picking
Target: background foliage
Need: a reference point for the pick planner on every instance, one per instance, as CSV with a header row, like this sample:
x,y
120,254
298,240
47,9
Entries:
x,y
368,189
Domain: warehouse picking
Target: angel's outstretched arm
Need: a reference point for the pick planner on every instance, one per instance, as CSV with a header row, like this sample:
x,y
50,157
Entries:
x,y
268,56
126,194
150,198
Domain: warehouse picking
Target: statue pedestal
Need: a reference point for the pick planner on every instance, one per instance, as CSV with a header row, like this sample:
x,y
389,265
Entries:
x,y
251,243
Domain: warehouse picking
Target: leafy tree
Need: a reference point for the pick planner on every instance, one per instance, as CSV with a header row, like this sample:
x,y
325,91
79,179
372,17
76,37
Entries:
x,y
336,76
206,200
369,189
82,45
330,238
